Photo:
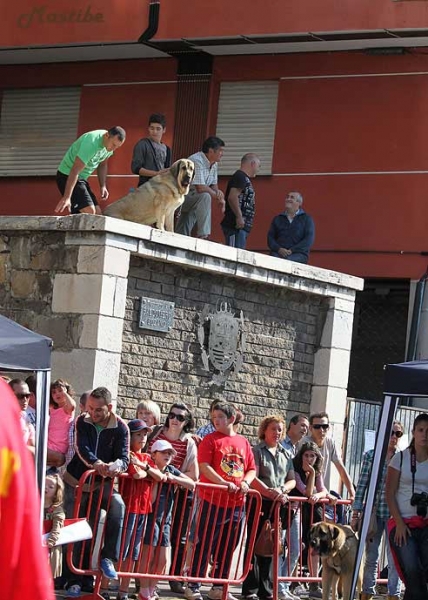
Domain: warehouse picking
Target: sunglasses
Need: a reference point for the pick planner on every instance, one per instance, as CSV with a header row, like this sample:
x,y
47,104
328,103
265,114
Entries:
x,y
180,418
324,426
22,396
398,434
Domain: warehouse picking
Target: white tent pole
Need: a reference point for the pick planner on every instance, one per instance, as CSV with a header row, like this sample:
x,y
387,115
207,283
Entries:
x,y
43,380
382,439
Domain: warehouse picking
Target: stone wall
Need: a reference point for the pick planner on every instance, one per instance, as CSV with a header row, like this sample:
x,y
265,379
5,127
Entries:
x,y
78,280
29,264
283,330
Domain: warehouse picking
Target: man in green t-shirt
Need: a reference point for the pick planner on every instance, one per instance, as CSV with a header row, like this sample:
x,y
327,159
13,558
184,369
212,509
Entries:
x,y
89,152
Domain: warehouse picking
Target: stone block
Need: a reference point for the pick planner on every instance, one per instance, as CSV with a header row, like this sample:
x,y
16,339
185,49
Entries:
x,y
85,294
20,250
23,284
119,299
331,367
4,264
103,259
76,366
86,369
337,330
100,331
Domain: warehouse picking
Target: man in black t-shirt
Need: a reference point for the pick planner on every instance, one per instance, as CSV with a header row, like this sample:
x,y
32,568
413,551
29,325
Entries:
x,y
240,202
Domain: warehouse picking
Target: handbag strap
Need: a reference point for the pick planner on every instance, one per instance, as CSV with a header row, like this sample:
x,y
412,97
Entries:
x,y
413,467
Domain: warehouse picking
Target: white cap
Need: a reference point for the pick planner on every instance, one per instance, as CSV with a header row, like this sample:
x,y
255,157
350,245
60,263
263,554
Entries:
x,y
161,446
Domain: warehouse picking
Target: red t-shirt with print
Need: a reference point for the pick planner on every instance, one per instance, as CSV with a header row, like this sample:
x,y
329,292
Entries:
x,y
231,457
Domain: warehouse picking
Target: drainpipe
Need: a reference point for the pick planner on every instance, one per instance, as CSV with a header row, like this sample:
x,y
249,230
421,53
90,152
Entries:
x,y
152,27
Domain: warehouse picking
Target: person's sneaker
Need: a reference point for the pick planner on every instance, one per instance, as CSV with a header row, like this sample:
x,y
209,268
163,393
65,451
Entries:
x,y
216,593
250,596
315,591
177,587
107,569
300,591
73,591
286,595
192,593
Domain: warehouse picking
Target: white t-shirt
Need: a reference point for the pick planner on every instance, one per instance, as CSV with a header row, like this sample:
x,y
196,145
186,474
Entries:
x,y
404,491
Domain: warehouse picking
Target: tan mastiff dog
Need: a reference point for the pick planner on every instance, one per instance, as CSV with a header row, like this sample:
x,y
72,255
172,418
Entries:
x,y
156,201
337,546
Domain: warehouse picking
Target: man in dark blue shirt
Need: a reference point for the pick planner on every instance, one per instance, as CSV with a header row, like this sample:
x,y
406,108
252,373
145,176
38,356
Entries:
x,y
240,202
292,233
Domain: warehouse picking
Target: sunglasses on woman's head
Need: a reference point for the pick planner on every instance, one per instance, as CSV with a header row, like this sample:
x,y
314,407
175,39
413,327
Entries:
x,y
324,426
180,418
398,433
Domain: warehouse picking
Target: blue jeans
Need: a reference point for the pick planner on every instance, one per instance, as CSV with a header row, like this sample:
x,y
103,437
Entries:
x,y
226,523
135,522
372,558
413,560
293,541
113,525
237,238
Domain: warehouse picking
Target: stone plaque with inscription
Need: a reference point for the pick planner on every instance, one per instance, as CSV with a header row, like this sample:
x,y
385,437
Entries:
x,y
157,315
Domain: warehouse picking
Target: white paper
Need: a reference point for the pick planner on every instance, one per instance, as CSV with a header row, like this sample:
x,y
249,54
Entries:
x,y
75,532
369,439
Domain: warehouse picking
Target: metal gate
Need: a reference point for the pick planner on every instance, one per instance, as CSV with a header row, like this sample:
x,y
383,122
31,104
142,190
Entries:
x,y
362,416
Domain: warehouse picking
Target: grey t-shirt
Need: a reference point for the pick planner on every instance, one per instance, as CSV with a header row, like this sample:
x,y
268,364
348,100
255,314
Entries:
x,y
160,153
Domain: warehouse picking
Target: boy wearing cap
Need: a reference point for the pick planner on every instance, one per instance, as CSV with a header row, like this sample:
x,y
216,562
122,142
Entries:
x,y
136,493
225,458
158,528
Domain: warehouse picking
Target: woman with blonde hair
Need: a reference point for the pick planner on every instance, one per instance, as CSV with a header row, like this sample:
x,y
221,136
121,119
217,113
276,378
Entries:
x,y
149,412
274,481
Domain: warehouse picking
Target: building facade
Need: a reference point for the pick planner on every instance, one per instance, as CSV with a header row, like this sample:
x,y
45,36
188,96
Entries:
x,y
333,97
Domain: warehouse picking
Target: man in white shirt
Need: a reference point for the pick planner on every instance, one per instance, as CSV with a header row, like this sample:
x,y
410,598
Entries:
x,y
196,209
319,427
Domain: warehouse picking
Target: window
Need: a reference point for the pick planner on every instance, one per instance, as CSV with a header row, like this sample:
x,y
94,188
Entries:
x,y
36,128
246,123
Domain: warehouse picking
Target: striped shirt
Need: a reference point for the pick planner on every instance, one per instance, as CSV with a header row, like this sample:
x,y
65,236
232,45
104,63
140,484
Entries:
x,y
205,173
180,446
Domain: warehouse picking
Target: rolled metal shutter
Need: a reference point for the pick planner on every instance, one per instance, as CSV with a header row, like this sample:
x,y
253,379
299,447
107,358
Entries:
x,y
246,123
36,128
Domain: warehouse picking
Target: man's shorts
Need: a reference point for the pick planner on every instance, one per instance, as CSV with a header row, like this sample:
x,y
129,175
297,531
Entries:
x,y
82,195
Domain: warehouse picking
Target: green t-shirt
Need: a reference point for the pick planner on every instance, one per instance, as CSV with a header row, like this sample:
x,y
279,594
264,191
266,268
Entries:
x,y
90,149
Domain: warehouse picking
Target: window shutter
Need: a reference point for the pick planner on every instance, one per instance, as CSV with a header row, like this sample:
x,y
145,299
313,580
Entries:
x,y
36,128
246,123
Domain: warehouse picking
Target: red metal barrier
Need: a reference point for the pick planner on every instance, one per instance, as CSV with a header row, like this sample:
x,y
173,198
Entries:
x,y
193,539
299,577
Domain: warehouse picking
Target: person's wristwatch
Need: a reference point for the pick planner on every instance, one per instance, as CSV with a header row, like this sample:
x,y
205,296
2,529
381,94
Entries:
x,y
147,467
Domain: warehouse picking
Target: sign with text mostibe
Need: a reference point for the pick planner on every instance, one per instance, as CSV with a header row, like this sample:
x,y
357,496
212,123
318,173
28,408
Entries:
x,y
61,22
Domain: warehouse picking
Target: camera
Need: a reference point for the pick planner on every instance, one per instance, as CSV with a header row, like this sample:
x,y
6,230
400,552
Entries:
x,y
421,503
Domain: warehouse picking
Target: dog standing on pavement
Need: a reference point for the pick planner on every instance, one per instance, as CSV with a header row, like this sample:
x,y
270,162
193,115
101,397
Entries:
x,y
156,201
337,546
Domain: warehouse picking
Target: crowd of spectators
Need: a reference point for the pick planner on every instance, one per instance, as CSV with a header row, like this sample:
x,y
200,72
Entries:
x,y
291,233
166,504
156,453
